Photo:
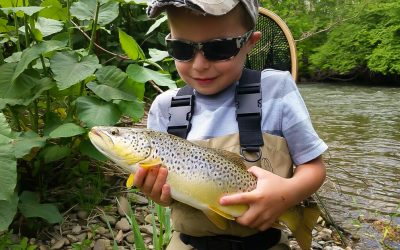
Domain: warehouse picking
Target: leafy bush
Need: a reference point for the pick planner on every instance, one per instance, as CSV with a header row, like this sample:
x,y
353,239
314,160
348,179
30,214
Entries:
x,y
62,72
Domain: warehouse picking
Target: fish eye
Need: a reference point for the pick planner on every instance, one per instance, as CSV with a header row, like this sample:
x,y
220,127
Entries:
x,y
114,131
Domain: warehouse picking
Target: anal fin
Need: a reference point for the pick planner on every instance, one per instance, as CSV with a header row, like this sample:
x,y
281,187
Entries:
x,y
221,213
215,218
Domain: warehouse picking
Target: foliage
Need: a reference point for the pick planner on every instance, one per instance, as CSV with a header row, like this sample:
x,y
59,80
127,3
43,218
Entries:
x,y
162,230
63,72
370,41
343,37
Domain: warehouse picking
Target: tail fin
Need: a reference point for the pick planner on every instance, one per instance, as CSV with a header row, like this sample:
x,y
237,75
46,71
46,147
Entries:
x,y
301,221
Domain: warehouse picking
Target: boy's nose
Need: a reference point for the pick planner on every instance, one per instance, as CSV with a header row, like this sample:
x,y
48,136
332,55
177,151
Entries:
x,y
200,62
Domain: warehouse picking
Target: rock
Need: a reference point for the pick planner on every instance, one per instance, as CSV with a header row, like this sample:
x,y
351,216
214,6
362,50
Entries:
x,y
130,238
76,229
315,245
82,214
148,229
108,218
123,225
43,247
81,237
333,248
72,238
102,244
138,199
120,236
101,230
59,243
149,218
123,206
325,234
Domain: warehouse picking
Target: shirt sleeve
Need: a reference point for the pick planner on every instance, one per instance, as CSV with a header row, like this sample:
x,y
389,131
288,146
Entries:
x,y
158,116
303,141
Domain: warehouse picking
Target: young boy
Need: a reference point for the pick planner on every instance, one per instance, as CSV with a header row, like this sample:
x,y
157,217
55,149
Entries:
x,y
213,69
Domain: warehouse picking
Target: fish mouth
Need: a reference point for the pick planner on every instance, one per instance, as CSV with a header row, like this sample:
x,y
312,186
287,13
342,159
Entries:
x,y
100,140
104,143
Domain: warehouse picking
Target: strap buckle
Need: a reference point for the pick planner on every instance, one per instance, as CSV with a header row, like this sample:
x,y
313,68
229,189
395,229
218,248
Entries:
x,y
180,114
248,100
256,150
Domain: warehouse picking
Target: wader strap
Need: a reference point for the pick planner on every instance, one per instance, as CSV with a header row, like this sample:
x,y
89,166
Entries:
x,y
260,241
181,112
248,114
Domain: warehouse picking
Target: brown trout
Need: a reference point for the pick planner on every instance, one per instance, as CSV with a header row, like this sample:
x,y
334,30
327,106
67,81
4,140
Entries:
x,y
198,176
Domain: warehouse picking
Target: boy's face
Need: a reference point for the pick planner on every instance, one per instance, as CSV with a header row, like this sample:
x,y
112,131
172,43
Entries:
x,y
209,77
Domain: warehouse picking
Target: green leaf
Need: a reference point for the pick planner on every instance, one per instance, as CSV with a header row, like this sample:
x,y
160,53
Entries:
x,y
111,76
85,10
54,153
4,27
156,24
94,112
8,163
32,53
134,110
54,10
142,74
26,10
24,89
70,69
30,207
48,26
11,3
14,58
108,93
130,46
87,148
135,88
157,55
67,130
26,142
8,209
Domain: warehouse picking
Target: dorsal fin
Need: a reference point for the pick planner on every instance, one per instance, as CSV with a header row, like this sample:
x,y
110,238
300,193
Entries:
x,y
235,158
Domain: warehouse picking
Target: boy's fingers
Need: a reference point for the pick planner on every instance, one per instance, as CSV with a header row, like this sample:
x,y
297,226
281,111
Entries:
x,y
149,181
165,197
159,182
140,176
257,171
241,198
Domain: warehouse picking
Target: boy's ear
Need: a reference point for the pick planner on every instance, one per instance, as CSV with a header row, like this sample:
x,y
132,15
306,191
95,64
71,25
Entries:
x,y
254,38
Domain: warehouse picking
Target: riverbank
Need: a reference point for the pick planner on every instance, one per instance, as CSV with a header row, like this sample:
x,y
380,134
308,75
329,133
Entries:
x,y
104,226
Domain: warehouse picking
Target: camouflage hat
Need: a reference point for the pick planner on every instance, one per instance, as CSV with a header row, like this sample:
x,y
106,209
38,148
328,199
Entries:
x,y
211,7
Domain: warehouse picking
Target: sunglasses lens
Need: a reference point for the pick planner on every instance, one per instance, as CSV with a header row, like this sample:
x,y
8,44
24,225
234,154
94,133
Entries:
x,y
180,50
220,50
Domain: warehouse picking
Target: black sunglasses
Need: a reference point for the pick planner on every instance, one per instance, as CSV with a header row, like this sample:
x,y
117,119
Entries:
x,y
213,50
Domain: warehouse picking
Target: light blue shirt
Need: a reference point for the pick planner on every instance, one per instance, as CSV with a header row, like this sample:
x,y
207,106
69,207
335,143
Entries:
x,y
284,114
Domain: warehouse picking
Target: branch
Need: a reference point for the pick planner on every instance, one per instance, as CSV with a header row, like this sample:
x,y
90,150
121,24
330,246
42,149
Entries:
x,y
309,34
117,55
98,46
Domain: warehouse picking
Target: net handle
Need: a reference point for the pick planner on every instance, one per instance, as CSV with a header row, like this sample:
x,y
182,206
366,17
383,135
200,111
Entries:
x,y
288,35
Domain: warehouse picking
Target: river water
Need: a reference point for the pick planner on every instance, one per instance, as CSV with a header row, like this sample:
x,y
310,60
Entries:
x,y
361,125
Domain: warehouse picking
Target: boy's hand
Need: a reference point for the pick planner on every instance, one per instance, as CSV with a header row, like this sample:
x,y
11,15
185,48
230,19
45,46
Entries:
x,y
152,183
266,203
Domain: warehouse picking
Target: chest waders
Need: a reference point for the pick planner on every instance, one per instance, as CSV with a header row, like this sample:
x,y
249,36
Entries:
x,y
192,227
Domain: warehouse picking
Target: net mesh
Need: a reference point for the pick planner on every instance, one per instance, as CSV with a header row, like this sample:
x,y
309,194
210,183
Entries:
x,y
272,51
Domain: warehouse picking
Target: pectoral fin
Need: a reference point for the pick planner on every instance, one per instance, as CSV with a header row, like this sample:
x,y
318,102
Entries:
x,y
129,182
150,163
